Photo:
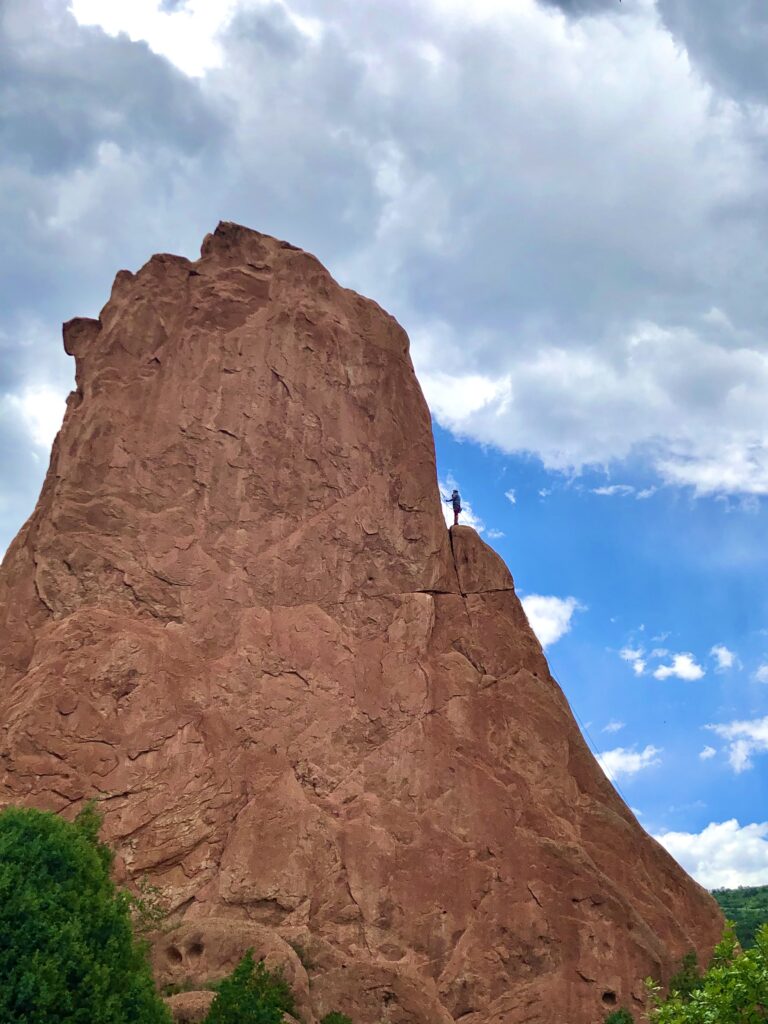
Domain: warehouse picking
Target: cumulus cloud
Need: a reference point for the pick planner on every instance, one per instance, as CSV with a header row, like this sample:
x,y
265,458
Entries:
x,y
724,657
41,410
761,674
634,655
559,292
723,855
623,762
623,491
684,666
614,726
511,496
550,617
707,753
613,490
495,534
745,739
186,33
726,41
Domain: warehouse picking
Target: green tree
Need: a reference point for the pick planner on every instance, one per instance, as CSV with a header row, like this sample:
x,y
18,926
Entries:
x,y
67,950
734,990
621,1016
252,995
747,907
335,1018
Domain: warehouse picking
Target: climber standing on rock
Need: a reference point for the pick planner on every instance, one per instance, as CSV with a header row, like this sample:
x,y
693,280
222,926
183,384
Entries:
x,y
455,500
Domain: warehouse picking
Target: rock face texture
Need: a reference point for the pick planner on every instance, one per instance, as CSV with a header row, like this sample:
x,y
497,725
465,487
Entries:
x,y
313,716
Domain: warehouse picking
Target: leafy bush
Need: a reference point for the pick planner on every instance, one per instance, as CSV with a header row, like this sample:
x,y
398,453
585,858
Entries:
x,y
733,991
252,995
620,1017
335,1018
67,951
148,907
688,978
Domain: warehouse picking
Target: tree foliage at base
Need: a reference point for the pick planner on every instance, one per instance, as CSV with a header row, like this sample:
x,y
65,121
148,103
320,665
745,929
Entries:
x,y
335,1018
67,951
620,1017
733,991
688,978
252,995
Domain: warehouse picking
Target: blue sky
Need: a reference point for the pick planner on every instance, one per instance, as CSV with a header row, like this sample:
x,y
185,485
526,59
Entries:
x,y
652,578
564,202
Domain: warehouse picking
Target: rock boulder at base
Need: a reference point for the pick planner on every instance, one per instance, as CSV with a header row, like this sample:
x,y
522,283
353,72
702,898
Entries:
x,y
190,1007
306,709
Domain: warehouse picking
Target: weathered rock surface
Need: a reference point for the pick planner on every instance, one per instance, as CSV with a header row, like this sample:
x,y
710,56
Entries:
x,y
190,1007
237,620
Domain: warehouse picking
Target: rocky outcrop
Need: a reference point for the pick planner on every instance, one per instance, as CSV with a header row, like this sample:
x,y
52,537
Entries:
x,y
190,1007
308,712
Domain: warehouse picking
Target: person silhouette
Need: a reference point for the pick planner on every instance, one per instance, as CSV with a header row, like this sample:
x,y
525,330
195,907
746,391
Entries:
x,y
455,500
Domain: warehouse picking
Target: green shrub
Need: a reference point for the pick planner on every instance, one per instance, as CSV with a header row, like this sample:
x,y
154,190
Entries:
x,y
67,951
335,1018
252,995
688,978
734,990
148,907
620,1017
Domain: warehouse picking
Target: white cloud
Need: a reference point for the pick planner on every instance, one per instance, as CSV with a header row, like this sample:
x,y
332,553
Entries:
x,y
613,490
550,617
635,657
623,761
761,675
707,753
642,402
684,666
511,496
457,397
187,35
725,658
745,738
544,492
41,410
386,126
495,534
723,855
468,516
647,492
614,726
630,653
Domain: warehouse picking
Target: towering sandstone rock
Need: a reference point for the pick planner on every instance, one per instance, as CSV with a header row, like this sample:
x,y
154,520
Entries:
x,y
308,712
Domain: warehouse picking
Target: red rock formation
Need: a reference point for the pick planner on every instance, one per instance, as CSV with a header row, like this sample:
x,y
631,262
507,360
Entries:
x,y
237,620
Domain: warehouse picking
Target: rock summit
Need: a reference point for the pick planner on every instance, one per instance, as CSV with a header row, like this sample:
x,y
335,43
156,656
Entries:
x,y
313,716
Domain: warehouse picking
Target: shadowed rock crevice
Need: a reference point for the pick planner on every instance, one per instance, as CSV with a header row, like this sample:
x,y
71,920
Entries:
x,y
308,711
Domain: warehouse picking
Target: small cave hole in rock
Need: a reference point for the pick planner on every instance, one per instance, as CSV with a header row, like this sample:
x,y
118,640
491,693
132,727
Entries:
x,y
609,998
174,955
196,949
